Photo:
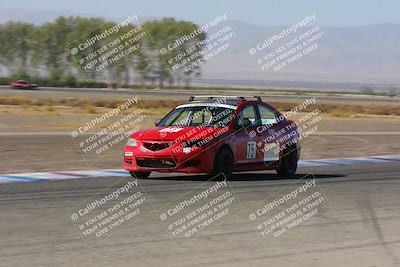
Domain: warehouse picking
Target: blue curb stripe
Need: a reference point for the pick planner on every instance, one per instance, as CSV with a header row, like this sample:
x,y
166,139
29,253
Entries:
x,y
387,159
22,178
322,162
70,174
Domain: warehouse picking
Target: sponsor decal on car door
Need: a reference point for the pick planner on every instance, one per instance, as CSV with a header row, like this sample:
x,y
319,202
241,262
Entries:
x,y
245,143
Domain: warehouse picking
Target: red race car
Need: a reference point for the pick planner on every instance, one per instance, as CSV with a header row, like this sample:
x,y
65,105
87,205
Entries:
x,y
213,135
21,84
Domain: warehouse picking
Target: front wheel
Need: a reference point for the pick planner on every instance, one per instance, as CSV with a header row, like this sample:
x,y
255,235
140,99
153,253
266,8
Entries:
x,y
140,175
223,163
288,164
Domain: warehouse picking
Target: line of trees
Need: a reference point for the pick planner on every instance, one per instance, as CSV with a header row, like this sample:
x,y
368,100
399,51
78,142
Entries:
x,y
40,53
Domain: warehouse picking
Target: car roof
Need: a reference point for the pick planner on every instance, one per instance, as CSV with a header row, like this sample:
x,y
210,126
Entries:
x,y
222,99
208,103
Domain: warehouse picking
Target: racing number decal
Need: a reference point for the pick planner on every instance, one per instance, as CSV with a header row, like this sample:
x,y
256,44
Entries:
x,y
251,150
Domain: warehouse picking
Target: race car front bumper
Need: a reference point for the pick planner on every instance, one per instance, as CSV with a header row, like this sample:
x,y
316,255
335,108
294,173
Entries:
x,y
193,160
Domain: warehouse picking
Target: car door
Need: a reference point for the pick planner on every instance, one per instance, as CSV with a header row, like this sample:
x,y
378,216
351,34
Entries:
x,y
268,131
245,142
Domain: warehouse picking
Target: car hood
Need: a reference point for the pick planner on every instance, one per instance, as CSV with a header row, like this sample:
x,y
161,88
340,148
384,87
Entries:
x,y
168,133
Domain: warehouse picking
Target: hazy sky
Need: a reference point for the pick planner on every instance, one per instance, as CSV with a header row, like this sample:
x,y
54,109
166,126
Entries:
x,y
258,12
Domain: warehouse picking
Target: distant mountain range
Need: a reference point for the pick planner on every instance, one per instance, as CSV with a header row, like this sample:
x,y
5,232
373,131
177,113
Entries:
x,y
362,54
365,54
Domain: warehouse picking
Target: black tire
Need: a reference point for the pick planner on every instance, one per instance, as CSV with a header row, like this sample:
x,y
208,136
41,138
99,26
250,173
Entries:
x,y
288,164
140,175
223,163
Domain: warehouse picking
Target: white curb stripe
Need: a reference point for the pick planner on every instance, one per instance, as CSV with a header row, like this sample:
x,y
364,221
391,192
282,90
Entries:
x,y
83,174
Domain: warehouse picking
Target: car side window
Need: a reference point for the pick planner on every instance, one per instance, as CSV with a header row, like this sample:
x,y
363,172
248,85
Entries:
x,y
248,113
267,116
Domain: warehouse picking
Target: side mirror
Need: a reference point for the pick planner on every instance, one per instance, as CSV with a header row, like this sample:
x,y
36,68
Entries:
x,y
156,122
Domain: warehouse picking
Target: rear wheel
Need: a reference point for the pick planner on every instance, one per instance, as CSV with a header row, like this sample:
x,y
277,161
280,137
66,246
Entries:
x,y
288,164
223,163
140,175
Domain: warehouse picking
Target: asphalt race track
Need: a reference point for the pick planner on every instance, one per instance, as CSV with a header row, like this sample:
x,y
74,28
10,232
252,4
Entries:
x,y
360,229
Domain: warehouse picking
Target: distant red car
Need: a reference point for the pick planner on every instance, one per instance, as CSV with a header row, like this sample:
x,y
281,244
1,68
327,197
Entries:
x,y
21,84
214,135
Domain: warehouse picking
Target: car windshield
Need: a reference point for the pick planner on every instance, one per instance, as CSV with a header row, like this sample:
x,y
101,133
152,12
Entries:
x,y
207,116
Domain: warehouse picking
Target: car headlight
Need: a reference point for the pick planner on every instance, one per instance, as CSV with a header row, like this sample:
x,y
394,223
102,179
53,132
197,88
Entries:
x,y
131,142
